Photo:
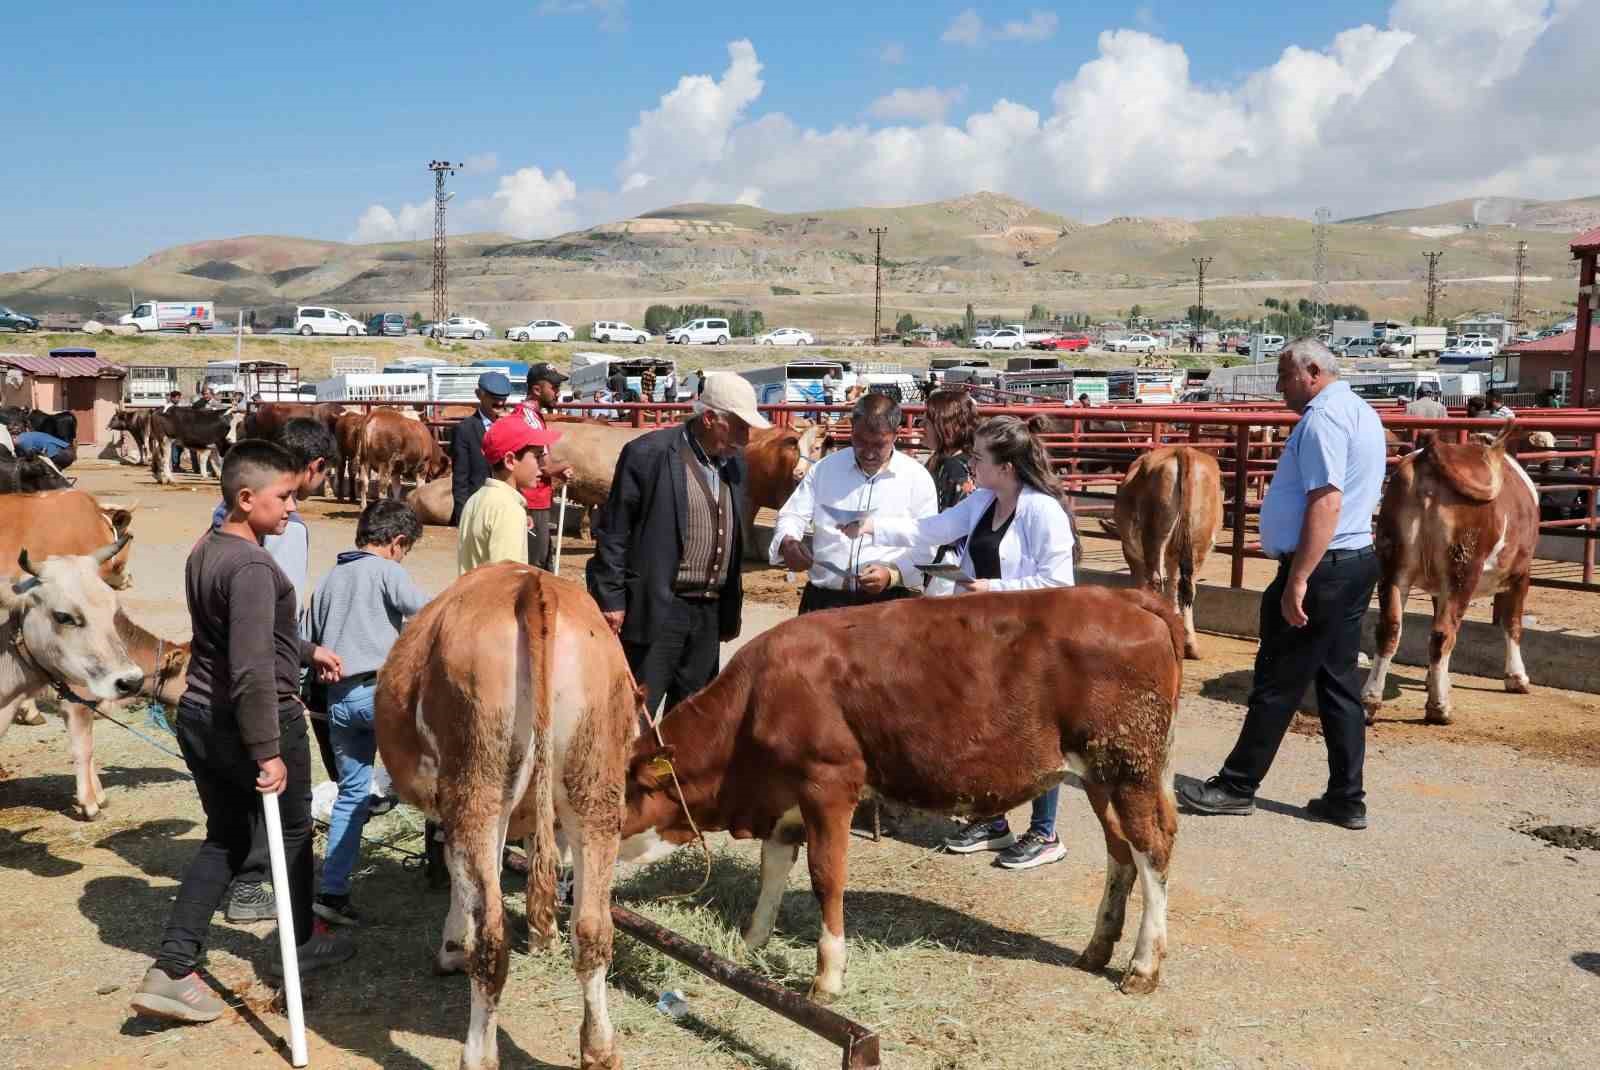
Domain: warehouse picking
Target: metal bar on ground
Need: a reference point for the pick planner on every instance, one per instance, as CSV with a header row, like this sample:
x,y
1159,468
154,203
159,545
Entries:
x,y
859,1044
288,946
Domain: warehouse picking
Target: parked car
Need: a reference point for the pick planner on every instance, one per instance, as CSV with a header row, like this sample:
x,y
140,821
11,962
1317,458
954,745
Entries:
x,y
17,321
1004,338
701,332
1134,343
1070,343
542,331
1473,347
461,327
391,323
309,320
1356,347
614,331
1271,345
786,336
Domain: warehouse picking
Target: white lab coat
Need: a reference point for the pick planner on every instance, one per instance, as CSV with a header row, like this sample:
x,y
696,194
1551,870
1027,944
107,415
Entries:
x,y
1035,552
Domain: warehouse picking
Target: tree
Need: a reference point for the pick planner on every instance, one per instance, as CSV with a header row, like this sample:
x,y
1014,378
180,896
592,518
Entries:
x,y
1038,313
737,324
905,324
659,319
969,324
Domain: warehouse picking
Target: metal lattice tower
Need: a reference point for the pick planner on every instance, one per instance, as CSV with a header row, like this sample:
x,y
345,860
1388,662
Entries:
x,y
1319,264
1200,263
877,283
441,299
1516,288
1435,290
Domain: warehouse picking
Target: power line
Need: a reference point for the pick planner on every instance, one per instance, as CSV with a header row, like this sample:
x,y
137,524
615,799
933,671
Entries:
x,y
1516,289
441,301
877,283
1200,263
1435,290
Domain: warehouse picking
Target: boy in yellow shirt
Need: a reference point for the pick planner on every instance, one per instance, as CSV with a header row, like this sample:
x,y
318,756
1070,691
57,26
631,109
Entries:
x,y
494,522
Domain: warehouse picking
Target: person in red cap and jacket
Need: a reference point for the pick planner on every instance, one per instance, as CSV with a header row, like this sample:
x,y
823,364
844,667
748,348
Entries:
x,y
494,522
544,390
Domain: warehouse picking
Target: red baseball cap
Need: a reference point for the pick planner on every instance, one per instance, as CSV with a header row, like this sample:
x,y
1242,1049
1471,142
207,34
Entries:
x,y
511,434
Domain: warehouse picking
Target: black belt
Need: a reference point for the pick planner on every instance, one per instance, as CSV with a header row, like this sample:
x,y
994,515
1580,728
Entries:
x,y
1332,556
698,597
358,678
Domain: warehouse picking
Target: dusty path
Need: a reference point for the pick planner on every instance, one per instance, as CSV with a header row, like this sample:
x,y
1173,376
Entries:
x,y
1441,937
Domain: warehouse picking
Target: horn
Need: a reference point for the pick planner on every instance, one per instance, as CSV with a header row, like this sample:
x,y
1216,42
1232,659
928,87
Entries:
x,y
26,565
106,553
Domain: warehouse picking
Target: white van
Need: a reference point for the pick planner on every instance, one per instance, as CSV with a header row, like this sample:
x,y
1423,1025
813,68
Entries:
x,y
701,332
615,331
309,320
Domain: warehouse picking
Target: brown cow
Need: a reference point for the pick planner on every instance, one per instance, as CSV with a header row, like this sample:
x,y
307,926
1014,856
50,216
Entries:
x,y
65,523
266,419
392,448
506,704
433,502
1086,680
1456,520
776,460
1168,511
347,437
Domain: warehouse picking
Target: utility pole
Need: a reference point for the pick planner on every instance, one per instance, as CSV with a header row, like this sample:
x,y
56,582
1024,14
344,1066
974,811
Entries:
x,y
1200,263
441,301
1435,291
877,283
1319,265
1516,289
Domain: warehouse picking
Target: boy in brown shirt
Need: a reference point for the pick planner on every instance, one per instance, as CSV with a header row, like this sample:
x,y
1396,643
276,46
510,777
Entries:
x,y
241,727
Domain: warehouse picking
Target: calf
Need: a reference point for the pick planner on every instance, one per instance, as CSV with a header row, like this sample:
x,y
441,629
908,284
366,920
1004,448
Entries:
x,y
1168,513
204,430
506,704
394,447
1028,685
29,474
1456,520
134,424
775,461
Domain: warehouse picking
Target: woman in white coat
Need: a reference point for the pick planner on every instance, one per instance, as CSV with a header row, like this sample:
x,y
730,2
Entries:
x,y
1018,537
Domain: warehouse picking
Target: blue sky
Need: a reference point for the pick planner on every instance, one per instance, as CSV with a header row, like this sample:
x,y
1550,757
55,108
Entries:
x,y
177,121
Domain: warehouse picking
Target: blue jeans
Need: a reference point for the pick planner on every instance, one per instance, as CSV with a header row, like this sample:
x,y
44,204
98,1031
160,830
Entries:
x,y
355,745
1043,820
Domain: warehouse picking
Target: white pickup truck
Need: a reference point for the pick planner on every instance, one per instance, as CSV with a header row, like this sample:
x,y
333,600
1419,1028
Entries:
x,y
191,316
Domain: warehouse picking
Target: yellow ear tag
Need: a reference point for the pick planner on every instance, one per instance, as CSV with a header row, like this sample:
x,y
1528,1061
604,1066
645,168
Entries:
x,y
660,766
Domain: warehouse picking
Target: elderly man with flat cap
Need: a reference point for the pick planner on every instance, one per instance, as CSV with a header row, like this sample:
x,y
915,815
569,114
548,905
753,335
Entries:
x,y
665,569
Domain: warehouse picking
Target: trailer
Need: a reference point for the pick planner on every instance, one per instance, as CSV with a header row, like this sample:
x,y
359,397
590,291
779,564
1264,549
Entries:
x,y
801,382
253,380
593,371
147,385
399,388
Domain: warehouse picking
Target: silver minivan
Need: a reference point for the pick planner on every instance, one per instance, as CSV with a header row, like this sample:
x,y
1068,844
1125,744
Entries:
x,y
701,332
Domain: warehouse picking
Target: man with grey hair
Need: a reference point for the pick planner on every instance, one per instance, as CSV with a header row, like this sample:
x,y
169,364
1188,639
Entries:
x,y
1427,404
1316,522
665,570
869,478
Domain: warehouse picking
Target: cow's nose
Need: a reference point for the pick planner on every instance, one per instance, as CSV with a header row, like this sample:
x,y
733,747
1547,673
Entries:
x,y
129,683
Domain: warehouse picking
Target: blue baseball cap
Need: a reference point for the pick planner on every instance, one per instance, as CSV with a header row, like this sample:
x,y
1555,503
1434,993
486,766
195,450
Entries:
x,y
495,383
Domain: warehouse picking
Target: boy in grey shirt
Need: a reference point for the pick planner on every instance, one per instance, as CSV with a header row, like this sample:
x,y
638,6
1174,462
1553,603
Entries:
x,y
357,612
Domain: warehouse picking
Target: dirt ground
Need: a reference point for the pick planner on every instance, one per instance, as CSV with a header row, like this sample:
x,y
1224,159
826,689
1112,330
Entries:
x,y
1443,936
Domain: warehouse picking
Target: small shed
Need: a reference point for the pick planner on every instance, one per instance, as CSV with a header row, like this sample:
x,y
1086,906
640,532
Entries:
x,y
68,379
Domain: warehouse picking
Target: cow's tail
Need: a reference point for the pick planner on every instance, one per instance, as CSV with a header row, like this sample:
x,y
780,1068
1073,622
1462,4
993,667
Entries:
x,y
541,842
1183,534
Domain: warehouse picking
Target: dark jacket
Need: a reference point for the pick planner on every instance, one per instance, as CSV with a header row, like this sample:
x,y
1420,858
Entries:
x,y
468,468
640,541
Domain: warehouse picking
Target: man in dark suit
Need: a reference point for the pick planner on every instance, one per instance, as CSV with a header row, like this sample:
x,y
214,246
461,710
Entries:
x,y
468,469
665,569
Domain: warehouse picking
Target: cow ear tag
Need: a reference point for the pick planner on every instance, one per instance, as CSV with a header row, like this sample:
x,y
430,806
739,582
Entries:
x,y
660,766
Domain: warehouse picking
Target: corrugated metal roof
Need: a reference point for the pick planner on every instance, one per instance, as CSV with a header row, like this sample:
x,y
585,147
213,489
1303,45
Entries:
x,y
1589,239
1556,343
63,367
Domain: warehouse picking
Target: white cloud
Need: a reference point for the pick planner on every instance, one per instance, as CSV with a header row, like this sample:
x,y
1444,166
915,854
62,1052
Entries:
x,y
927,105
1039,26
965,29
613,13
1448,99
893,53
411,222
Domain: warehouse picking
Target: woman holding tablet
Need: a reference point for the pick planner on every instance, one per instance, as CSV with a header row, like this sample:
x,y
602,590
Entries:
x,y
1018,537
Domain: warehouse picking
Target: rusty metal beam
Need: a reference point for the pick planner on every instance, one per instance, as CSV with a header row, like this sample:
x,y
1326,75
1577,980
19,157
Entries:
x,y
858,1043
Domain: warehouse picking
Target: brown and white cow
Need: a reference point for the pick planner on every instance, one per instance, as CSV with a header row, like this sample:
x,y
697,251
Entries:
x,y
776,460
1168,513
1456,520
62,632
505,705
393,448
968,706
347,437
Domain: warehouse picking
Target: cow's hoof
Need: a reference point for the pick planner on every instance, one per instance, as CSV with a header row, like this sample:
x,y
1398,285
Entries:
x,y
1191,651
1094,957
1437,714
607,1060
1138,984
1518,685
822,992
1372,705
29,715
451,959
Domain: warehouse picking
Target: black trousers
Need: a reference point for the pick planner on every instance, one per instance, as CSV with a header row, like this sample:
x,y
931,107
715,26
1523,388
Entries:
x,y
539,540
1323,652
814,598
257,868
225,776
682,657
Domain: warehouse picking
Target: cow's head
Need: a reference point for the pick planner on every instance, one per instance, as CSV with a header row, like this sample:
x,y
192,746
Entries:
x,y
654,823
116,570
811,443
119,421
66,616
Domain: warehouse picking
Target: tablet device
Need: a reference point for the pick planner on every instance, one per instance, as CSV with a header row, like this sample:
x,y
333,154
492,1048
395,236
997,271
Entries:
x,y
842,517
942,569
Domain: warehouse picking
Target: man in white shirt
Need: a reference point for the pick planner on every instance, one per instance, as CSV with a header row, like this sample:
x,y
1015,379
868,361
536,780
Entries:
x,y
871,477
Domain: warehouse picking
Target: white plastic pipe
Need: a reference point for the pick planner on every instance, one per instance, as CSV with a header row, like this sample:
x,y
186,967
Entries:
x,y
561,528
287,944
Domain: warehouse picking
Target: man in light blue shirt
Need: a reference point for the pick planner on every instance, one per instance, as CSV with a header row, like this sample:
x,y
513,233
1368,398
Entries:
x,y
1316,522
